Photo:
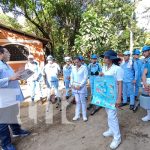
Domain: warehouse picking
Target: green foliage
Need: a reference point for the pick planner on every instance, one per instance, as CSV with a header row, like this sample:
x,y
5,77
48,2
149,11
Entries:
x,y
56,20
106,25
78,26
9,21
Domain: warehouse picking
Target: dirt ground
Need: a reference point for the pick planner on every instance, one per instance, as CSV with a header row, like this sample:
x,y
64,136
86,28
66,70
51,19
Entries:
x,y
82,135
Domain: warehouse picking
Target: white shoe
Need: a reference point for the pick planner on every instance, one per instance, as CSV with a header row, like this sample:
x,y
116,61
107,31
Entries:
x,y
146,118
85,119
75,118
107,133
115,143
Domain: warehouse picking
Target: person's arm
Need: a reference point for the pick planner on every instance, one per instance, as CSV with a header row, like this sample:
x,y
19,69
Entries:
x,y
85,77
135,72
89,69
144,79
59,69
26,66
119,77
71,79
63,71
44,74
119,92
4,82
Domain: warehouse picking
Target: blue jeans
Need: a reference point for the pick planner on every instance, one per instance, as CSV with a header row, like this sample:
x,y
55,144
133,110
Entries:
x,y
33,86
5,137
67,86
128,90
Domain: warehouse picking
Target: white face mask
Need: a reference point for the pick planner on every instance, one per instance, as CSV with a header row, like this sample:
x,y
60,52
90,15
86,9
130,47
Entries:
x,y
50,61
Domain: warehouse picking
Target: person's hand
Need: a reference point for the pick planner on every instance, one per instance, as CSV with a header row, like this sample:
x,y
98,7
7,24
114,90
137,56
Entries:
x,y
146,88
101,74
78,88
117,105
134,81
73,87
14,77
68,78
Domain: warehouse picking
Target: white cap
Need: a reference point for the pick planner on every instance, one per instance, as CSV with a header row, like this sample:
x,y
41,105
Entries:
x,y
67,59
126,53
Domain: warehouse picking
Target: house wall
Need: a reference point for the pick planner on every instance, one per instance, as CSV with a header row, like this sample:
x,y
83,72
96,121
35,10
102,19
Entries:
x,y
33,46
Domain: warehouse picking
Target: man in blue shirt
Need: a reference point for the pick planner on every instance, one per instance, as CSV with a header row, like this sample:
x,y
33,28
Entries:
x,y
66,74
145,53
136,54
10,95
145,97
129,79
93,70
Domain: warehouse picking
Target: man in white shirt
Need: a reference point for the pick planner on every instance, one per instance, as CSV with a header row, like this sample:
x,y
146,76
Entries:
x,y
35,81
51,72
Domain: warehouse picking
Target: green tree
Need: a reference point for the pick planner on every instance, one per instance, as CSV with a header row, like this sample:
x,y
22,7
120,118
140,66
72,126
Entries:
x,y
106,25
9,21
56,20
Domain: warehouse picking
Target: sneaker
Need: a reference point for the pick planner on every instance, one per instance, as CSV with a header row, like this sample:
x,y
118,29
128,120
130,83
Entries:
x,y
123,104
89,107
136,98
115,143
85,119
146,118
21,133
131,107
67,97
9,147
57,105
95,109
75,118
107,133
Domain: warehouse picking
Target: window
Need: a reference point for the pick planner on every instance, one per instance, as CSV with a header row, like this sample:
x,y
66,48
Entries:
x,y
18,52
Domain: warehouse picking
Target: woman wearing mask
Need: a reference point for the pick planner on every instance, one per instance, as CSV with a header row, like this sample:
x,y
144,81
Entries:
x,y
79,76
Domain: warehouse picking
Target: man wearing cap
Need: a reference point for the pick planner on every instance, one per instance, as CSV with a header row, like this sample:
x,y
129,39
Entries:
x,y
136,60
129,79
66,74
82,60
10,96
145,53
51,71
34,82
145,97
93,70
112,68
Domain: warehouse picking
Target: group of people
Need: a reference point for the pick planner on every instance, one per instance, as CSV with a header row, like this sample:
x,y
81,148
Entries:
x,y
129,73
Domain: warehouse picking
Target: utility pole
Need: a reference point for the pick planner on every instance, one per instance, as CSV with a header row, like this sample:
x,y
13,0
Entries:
x,y
131,32
131,41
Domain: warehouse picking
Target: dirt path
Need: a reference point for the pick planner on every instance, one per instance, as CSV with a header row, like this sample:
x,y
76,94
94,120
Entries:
x,y
81,135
